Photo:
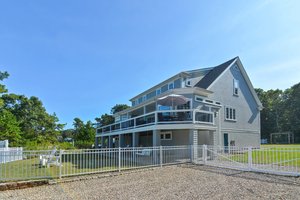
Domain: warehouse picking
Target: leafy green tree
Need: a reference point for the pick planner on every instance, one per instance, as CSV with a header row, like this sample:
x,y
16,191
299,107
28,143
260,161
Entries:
x,y
3,75
84,134
105,119
119,108
9,128
293,106
34,121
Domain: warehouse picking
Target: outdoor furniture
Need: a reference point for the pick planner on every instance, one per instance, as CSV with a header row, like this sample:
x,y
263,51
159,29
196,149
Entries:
x,y
144,152
51,159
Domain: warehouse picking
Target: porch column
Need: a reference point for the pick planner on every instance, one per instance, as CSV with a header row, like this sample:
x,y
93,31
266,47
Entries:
x,y
213,137
156,138
102,141
121,140
194,142
96,142
135,139
110,141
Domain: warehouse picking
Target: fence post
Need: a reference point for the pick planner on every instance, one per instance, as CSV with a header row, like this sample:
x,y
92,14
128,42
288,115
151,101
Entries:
x,y
249,158
160,156
60,163
204,153
119,159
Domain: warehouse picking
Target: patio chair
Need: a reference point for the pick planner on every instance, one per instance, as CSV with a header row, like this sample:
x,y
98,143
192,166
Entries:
x,y
51,159
144,152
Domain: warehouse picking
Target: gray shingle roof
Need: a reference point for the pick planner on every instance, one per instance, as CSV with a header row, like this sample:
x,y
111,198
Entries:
x,y
209,78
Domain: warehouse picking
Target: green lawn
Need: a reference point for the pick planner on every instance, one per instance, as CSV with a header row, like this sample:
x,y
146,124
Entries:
x,y
30,169
72,164
280,145
282,155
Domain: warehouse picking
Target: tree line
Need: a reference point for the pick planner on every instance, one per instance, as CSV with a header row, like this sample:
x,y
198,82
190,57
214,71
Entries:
x,y
281,112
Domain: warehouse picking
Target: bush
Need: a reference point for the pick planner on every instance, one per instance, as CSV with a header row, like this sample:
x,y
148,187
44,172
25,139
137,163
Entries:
x,y
83,144
65,145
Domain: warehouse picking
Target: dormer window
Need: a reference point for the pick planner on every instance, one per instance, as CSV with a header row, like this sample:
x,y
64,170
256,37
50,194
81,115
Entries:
x,y
236,87
188,83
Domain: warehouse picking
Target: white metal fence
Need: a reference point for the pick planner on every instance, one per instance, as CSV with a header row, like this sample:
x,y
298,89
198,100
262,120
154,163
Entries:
x,y
62,163
274,160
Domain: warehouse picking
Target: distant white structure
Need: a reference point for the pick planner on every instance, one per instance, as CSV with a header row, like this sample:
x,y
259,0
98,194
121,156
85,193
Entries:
x,y
8,154
4,144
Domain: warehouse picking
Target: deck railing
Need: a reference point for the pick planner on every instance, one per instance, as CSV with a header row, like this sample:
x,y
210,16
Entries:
x,y
161,117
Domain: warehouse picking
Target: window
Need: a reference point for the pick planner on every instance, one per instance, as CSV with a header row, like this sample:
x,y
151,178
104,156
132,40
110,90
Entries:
x,y
166,135
230,113
164,88
188,83
171,86
198,98
157,92
151,94
235,87
140,100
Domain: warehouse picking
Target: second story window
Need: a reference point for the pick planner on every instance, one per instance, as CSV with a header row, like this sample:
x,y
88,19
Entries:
x,y
171,86
140,100
157,92
230,113
236,87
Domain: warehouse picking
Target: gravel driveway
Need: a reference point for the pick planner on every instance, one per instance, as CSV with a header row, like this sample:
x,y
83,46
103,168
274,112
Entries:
x,y
172,182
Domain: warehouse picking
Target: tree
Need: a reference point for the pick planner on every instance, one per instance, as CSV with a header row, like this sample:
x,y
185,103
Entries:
x,y
105,119
9,128
34,121
119,108
293,106
84,134
3,75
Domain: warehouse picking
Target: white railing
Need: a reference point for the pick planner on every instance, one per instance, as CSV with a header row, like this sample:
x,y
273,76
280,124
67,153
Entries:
x,y
274,160
161,117
63,163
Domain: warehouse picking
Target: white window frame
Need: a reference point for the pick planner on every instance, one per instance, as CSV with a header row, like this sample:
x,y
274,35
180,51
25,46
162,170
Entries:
x,y
231,113
236,87
164,135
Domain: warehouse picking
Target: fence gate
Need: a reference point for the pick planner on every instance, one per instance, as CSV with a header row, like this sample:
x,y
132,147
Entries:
x,y
274,160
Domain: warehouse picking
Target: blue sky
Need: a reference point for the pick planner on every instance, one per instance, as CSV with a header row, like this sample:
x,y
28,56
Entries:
x,y
83,57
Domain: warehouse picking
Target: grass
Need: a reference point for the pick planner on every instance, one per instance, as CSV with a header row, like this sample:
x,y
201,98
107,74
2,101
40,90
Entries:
x,y
30,168
281,155
72,164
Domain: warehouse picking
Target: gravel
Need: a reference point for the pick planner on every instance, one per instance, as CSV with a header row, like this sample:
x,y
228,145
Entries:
x,y
172,182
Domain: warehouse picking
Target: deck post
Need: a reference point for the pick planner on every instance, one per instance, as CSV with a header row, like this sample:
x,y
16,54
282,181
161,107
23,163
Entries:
x,y
161,155
119,159
60,163
249,158
204,153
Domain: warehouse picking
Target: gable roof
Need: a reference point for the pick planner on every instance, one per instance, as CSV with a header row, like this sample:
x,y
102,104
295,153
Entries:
x,y
211,76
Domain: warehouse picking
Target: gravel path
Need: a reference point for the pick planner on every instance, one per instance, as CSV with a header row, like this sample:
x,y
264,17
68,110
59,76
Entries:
x,y
173,182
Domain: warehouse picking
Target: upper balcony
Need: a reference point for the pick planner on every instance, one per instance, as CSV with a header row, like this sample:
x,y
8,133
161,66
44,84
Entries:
x,y
161,117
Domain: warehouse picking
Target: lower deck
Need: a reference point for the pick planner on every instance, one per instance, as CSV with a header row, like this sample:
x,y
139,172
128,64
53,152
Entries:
x,y
158,138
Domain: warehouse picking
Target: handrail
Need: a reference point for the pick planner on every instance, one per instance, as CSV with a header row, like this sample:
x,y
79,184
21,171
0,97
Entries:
x,y
155,113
